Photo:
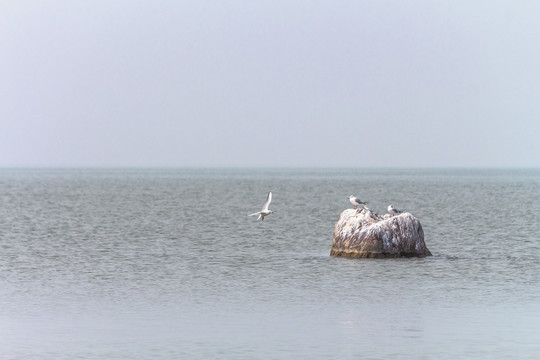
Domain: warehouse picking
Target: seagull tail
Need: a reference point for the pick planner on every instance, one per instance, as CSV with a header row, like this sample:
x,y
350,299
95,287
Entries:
x,y
257,213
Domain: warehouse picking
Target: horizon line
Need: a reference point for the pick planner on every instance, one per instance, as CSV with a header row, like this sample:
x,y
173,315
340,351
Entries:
x,y
257,167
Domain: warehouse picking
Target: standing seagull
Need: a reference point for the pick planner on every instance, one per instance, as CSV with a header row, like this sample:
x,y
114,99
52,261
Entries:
x,y
356,201
392,210
264,210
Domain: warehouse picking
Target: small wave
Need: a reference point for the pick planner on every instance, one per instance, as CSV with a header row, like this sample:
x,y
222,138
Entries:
x,y
525,257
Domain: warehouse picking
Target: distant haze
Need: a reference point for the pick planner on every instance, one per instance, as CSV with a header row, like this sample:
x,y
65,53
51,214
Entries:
x,y
270,83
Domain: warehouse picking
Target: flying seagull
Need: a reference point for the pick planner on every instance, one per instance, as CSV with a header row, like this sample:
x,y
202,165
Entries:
x,y
264,210
356,201
392,210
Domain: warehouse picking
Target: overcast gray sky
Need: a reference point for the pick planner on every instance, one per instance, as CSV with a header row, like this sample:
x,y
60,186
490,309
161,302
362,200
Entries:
x,y
270,83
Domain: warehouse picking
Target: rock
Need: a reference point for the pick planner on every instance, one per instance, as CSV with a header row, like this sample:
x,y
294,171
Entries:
x,y
361,233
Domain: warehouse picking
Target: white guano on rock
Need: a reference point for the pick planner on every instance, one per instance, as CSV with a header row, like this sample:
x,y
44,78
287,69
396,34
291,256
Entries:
x,y
366,234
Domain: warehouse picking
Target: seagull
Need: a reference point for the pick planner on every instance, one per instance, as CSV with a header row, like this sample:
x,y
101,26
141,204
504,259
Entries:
x,y
392,210
264,210
356,201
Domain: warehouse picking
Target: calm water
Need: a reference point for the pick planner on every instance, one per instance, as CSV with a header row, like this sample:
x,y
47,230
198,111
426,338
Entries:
x,y
148,264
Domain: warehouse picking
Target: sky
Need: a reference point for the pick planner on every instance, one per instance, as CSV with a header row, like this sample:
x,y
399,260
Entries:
x,y
282,83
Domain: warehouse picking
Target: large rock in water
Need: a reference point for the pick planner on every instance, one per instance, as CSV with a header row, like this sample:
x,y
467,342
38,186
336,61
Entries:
x,y
361,233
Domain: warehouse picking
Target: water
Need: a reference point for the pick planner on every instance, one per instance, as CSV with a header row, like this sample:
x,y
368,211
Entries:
x,y
165,264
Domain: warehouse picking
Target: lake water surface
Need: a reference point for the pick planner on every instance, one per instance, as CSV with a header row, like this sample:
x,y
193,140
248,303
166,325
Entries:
x,y
165,264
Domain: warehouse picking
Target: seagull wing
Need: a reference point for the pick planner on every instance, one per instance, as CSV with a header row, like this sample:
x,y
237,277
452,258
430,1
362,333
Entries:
x,y
268,201
257,213
360,202
393,209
